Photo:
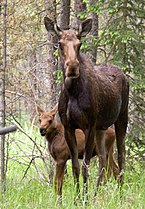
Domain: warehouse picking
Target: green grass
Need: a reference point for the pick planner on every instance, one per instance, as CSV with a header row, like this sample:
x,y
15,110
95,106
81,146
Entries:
x,y
30,193
34,192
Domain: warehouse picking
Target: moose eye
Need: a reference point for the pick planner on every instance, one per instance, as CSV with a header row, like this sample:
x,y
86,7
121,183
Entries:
x,y
79,46
50,121
60,46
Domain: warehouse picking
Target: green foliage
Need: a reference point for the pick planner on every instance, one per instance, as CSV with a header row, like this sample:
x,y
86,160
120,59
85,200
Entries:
x,y
58,74
122,35
23,27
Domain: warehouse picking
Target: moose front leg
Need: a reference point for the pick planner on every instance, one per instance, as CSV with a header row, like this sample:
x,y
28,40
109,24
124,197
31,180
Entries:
x,y
72,144
89,145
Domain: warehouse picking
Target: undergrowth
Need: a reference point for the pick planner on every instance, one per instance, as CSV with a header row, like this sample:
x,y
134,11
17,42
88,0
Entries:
x,y
27,187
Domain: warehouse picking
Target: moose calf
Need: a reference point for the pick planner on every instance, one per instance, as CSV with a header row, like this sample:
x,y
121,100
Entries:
x,y
53,131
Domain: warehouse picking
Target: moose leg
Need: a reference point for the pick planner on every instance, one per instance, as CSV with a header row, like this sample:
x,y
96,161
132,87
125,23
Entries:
x,y
115,169
58,179
112,166
100,140
109,162
120,130
72,144
89,145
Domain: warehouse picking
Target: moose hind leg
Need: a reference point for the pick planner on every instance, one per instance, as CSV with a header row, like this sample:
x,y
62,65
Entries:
x,y
100,143
120,130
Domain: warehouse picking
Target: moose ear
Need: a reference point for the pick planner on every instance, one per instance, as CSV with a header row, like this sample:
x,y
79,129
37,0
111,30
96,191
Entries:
x,y
57,30
51,26
39,110
85,27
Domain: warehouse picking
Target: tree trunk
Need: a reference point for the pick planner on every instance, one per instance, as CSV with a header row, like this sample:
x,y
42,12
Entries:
x,y
64,22
50,6
50,73
64,14
33,85
79,6
2,101
94,32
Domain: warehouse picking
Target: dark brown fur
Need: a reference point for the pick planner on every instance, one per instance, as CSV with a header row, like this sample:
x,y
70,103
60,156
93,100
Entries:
x,y
92,100
53,131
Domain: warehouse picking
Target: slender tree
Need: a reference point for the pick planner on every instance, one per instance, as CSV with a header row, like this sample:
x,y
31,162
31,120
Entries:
x,y
82,10
50,6
94,32
79,7
2,98
64,14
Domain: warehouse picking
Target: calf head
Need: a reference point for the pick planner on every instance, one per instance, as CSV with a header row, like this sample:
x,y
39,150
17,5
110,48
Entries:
x,y
69,45
47,121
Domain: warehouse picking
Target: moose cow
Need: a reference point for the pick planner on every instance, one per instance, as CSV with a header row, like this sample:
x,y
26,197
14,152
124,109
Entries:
x,y
92,99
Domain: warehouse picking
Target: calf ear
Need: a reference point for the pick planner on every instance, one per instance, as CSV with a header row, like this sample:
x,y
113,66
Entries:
x,y
54,110
39,110
85,27
51,26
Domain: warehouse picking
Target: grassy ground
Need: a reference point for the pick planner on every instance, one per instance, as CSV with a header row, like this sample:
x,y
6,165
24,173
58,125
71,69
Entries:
x,y
33,192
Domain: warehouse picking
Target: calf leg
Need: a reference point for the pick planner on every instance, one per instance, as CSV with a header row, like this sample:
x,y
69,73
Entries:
x,y
112,166
58,179
72,144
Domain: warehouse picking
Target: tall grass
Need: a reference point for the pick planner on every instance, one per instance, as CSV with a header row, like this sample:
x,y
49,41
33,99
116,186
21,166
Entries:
x,y
34,192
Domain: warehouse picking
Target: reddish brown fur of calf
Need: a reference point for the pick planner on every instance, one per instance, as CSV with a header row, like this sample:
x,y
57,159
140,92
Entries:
x,y
54,134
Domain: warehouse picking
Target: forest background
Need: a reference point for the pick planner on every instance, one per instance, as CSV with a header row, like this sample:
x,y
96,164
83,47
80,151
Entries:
x,y
30,75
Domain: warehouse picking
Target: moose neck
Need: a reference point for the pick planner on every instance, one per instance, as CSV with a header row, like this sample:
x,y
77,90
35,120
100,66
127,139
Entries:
x,y
52,132
75,85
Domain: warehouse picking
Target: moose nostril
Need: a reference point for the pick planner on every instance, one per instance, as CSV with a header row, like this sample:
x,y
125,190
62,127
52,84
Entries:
x,y
42,131
72,63
72,70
